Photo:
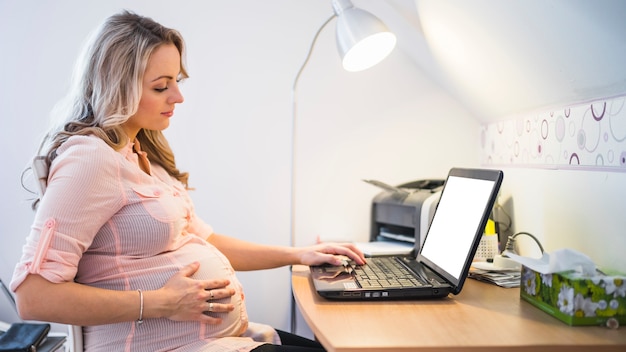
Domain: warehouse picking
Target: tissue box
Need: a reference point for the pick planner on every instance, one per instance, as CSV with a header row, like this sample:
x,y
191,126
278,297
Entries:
x,y
574,298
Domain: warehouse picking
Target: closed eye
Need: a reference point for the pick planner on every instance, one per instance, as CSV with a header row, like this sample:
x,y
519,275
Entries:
x,y
161,90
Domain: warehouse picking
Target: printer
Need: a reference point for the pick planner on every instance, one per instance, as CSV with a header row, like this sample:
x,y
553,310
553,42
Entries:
x,y
403,213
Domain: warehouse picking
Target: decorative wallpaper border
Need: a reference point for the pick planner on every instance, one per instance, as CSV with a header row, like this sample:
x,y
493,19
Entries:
x,y
590,136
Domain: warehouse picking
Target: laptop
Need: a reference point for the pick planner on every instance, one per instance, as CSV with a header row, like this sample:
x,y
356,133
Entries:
x,y
441,265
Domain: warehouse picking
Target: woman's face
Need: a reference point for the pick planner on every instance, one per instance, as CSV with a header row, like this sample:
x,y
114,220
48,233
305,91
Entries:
x,y
160,92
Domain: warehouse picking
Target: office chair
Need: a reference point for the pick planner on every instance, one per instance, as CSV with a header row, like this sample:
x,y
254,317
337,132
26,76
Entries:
x,y
75,338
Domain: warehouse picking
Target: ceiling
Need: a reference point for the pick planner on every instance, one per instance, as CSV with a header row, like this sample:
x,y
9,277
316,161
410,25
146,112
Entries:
x,y
501,58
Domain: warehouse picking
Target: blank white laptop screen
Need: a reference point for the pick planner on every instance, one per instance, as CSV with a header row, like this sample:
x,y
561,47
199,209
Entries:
x,y
454,225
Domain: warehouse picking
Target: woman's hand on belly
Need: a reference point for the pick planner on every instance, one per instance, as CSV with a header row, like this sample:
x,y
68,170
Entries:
x,y
183,298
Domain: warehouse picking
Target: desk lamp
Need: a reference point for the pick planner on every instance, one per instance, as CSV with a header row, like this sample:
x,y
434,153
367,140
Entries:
x,y
363,41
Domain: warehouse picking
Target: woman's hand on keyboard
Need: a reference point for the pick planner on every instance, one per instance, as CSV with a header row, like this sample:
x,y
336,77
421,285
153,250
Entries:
x,y
331,253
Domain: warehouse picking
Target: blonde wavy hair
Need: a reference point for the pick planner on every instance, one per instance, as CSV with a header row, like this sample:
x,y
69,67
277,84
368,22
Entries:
x,y
107,86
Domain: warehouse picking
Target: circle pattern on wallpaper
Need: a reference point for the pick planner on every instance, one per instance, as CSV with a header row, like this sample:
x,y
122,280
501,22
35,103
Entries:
x,y
587,136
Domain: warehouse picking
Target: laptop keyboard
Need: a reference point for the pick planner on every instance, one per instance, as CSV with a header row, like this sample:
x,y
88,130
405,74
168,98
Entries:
x,y
384,272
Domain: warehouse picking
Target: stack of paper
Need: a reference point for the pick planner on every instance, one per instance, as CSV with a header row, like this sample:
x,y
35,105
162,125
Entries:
x,y
501,277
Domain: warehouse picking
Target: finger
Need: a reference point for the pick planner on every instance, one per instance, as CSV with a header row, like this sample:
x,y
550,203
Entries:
x,y
212,307
214,294
355,249
335,260
356,255
216,284
348,250
190,269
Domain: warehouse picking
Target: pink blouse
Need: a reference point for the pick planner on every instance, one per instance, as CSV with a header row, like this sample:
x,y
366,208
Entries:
x,y
104,222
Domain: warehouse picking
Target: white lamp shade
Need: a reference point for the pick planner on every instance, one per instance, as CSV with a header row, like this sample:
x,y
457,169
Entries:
x,y
362,39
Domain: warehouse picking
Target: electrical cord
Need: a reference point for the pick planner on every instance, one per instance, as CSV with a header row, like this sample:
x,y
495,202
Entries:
x,y
510,243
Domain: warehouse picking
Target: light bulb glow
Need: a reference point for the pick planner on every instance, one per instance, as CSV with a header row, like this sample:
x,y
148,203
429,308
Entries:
x,y
369,51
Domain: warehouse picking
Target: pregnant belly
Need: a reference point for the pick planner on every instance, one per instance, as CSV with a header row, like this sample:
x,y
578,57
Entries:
x,y
214,265
151,273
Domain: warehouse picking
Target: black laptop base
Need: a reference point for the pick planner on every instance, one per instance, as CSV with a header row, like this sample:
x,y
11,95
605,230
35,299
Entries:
x,y
330,277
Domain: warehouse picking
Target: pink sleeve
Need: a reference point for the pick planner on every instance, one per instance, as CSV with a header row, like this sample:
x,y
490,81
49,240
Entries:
x,y
84,191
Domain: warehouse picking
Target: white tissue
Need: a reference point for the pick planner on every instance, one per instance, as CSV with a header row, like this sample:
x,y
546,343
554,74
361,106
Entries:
x,y
558,261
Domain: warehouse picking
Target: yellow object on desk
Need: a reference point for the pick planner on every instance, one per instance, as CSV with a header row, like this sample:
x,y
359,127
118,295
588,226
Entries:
x,y
488,247
490,227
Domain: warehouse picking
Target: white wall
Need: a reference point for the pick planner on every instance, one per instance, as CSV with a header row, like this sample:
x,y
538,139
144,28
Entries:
x,y
505,57
582,210
233,133
529,61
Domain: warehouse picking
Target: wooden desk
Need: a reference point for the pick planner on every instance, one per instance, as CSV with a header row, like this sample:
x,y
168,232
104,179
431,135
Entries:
x,y
482,317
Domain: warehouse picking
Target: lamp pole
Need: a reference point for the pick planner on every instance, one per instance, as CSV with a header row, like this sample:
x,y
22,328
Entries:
x,y
363,41
294,139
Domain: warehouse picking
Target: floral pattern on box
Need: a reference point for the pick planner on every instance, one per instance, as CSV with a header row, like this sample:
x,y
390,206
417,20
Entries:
x,y
576,299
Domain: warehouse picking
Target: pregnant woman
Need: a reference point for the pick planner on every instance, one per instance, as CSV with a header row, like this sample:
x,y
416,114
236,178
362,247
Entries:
x,y
116,244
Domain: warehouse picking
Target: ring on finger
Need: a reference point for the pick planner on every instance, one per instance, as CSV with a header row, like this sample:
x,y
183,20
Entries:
x,y
211,294
210,306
